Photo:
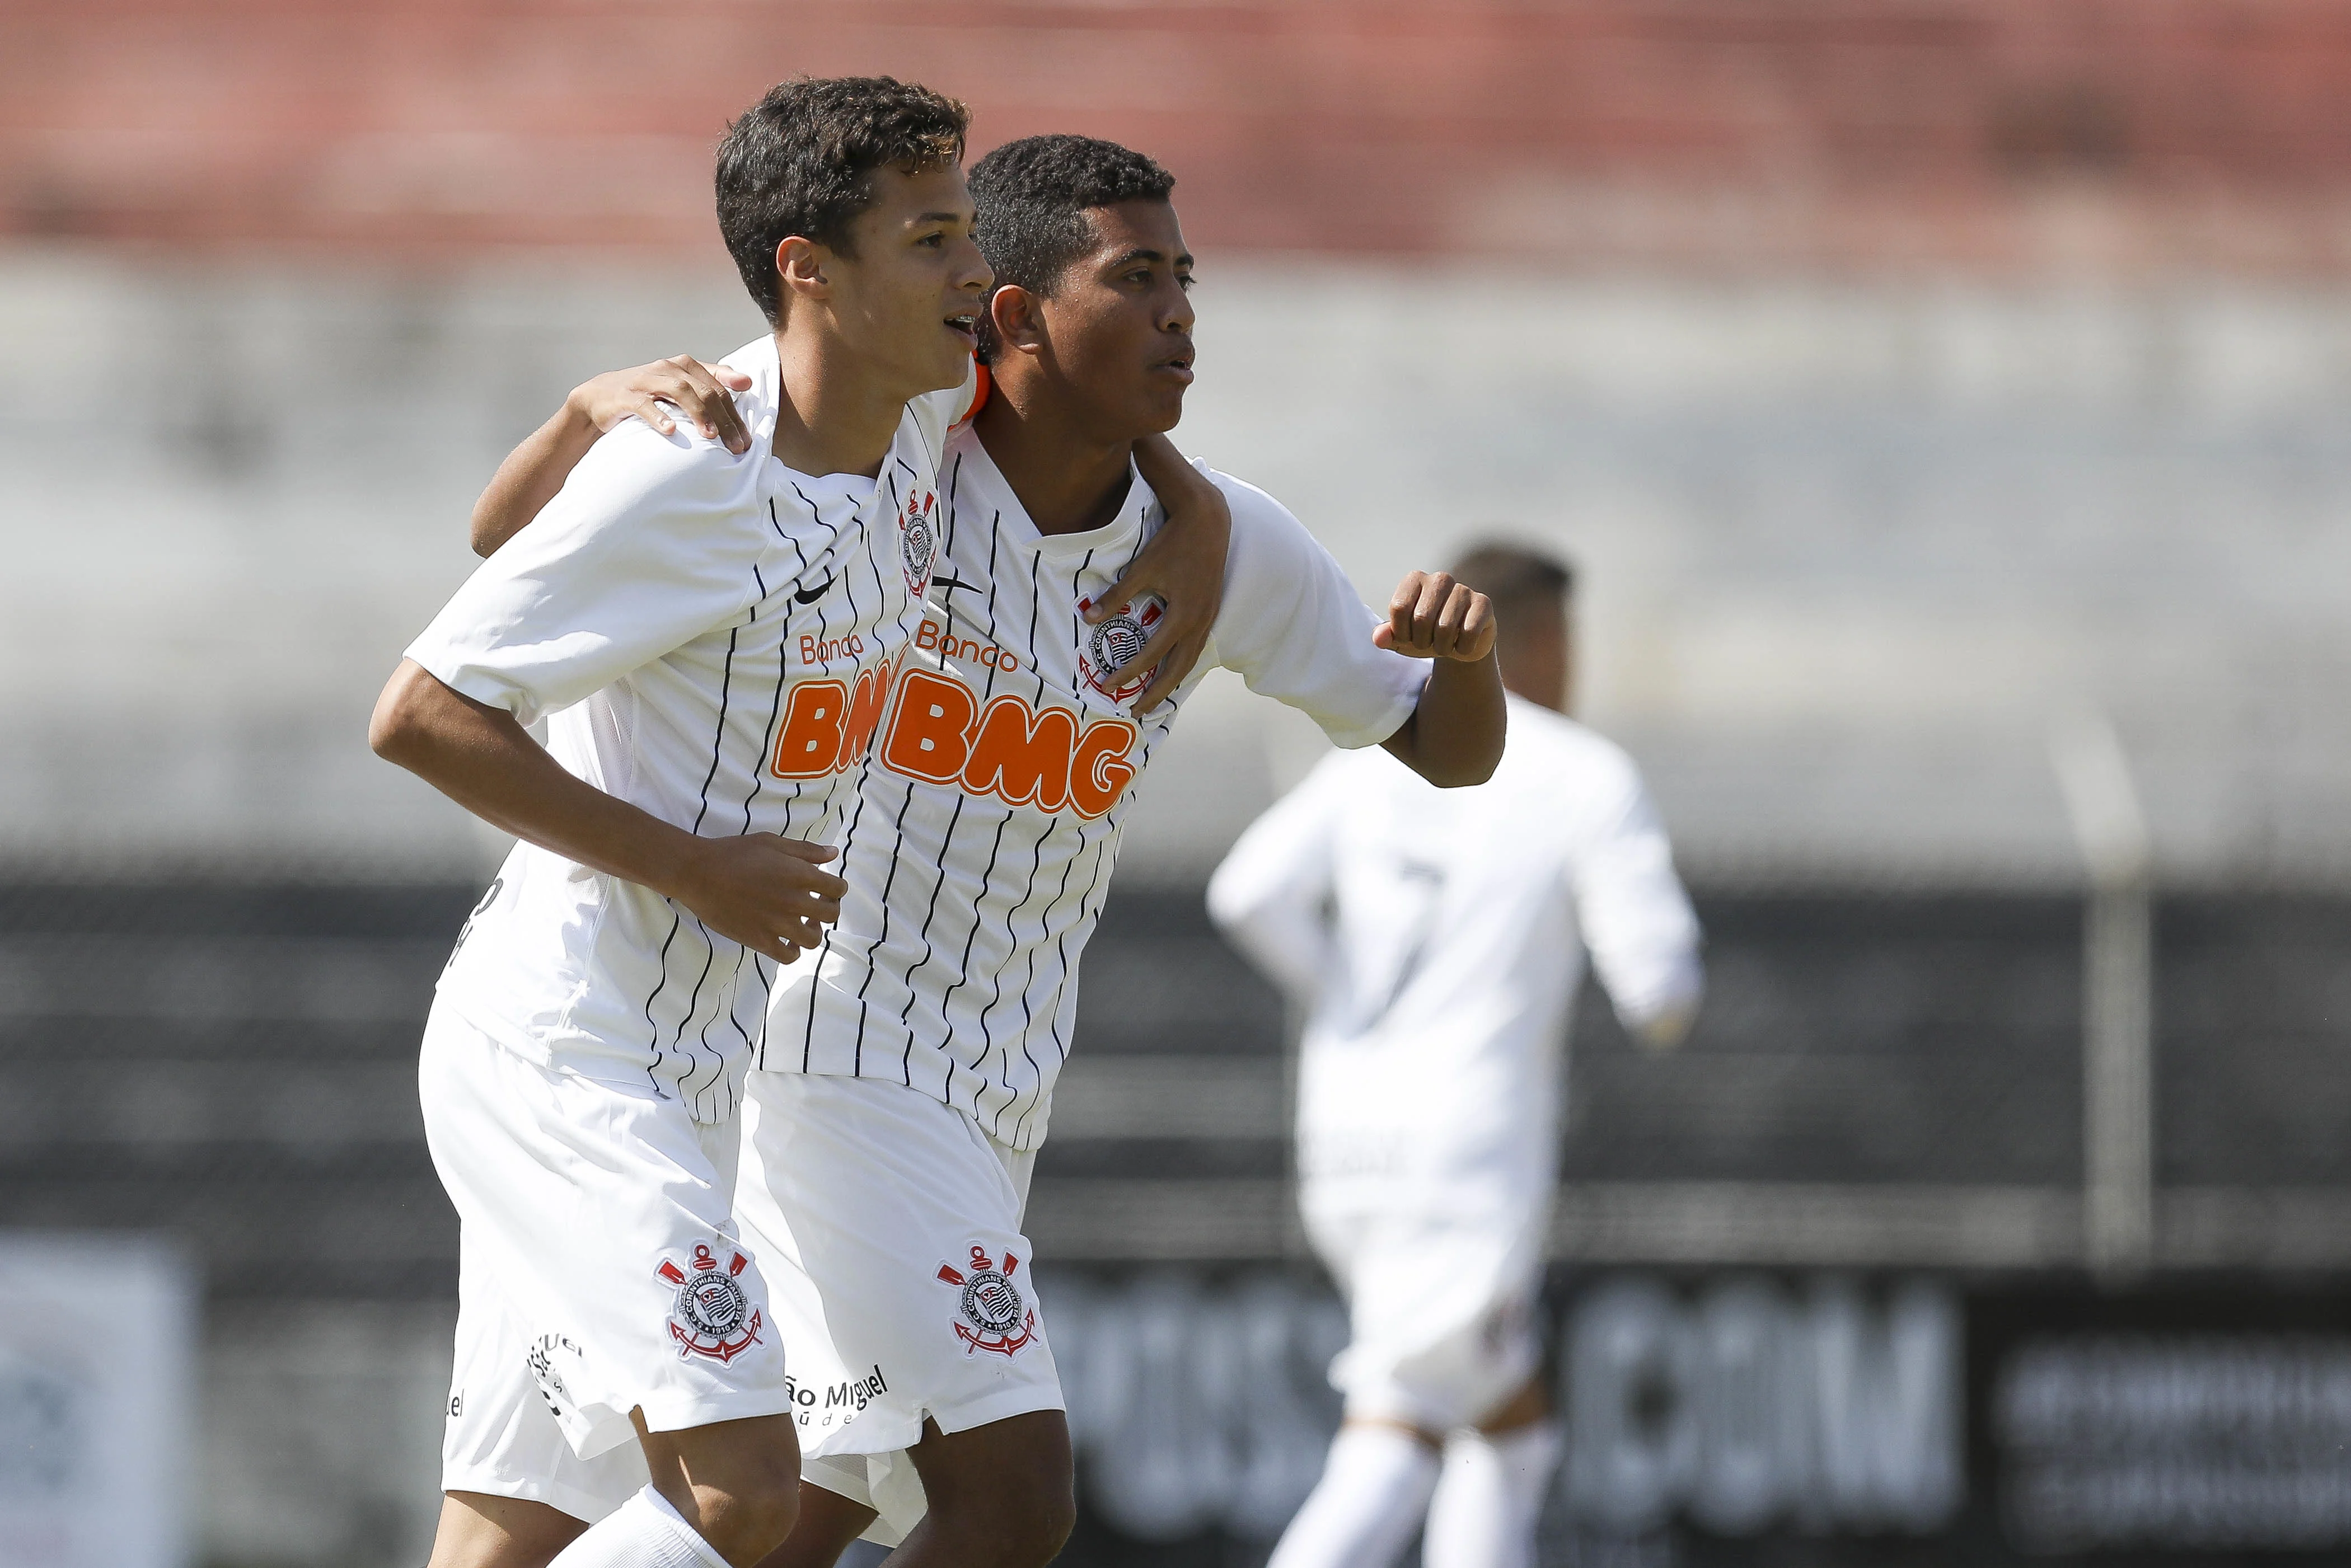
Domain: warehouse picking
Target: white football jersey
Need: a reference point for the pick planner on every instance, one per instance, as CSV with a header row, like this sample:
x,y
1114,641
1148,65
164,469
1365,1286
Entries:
x,y
988,817
710,636
1437,937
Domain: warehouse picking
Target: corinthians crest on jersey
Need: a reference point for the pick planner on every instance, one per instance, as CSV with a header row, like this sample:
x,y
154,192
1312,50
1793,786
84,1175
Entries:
x,y
918,539
711,1316
1111,648
994,1315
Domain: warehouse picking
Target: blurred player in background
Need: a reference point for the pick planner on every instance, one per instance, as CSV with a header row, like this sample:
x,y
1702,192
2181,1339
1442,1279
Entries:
x,y
1437,939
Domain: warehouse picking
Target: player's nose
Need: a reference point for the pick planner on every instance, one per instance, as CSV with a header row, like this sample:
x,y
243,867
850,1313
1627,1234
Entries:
x,y
974,275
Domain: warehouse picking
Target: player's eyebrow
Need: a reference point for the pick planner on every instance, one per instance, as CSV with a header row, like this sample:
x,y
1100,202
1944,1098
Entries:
x,y
1146,254
916,223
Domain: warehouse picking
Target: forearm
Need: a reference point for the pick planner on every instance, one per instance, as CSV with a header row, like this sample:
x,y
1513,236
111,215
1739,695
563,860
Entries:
x,y
1642,934
529,477
1189,495
1455,736
1183,565
481,758
659,394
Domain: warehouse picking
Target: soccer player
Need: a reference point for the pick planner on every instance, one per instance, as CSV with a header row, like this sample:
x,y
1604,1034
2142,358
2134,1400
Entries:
x,y
1439,984
668,611
908,1067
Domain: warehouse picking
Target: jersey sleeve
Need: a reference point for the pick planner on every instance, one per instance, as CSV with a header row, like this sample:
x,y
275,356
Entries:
x,y
1292,628
1268,894
652,540
1636,920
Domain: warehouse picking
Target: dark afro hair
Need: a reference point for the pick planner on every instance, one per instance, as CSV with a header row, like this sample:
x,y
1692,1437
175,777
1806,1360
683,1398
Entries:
x,y
801,161
1032,196
1515,577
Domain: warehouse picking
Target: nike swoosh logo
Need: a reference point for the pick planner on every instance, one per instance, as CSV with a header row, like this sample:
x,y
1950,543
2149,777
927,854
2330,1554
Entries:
x,y
809,595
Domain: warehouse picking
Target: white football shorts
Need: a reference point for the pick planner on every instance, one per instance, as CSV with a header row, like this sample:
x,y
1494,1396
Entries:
x,y
600,1272
888,1225
501,1436
1440,1308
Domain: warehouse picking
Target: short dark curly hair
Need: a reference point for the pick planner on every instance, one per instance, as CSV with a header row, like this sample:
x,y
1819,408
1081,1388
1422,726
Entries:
x,y
1032,196
801,161
1516,577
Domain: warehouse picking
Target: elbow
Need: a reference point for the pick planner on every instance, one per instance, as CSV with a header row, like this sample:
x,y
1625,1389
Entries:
x,y
388,730
1480,770
1462,772
482,534
395,730
1230,909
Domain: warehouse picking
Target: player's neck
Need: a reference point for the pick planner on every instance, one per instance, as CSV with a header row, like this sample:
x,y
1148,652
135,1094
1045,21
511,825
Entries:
x,y
837,413
1068,480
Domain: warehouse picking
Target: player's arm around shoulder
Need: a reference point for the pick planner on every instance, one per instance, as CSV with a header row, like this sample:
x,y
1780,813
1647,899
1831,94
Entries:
x,y
653,540
657,395
1184,566
1455,736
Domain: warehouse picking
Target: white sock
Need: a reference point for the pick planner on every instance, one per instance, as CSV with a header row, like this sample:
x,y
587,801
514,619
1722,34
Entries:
x,y
1488,1497
643,1533
1373,1489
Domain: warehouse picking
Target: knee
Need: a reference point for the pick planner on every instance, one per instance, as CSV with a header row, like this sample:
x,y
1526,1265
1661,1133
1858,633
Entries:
x,y
1049,1504
748,1498
762,1506
1057,1518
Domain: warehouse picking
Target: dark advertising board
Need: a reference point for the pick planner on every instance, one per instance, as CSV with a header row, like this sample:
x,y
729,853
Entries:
x,y
1750,1419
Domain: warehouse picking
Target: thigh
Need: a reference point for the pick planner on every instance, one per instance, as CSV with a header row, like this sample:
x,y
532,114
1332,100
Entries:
x,y
608,1224
891,1231
479,1530
752,1457
1021,1458
1000,1494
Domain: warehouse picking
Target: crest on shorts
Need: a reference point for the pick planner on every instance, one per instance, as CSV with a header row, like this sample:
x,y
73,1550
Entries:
x,y
1113,644
918,540
996,1317
711,1316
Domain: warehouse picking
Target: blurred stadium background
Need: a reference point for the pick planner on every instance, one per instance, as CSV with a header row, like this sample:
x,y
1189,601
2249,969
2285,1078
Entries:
x,y
1945,398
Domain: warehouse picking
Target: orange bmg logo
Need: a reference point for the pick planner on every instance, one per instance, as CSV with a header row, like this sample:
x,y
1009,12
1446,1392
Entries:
x,y
828,725
1009,750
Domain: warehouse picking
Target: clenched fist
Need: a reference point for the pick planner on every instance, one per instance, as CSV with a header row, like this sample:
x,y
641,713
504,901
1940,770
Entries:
x,y
1431,615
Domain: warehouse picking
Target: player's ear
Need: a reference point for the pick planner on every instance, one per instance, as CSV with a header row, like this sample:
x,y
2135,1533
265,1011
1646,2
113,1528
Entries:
x,y
1013,310
801,267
